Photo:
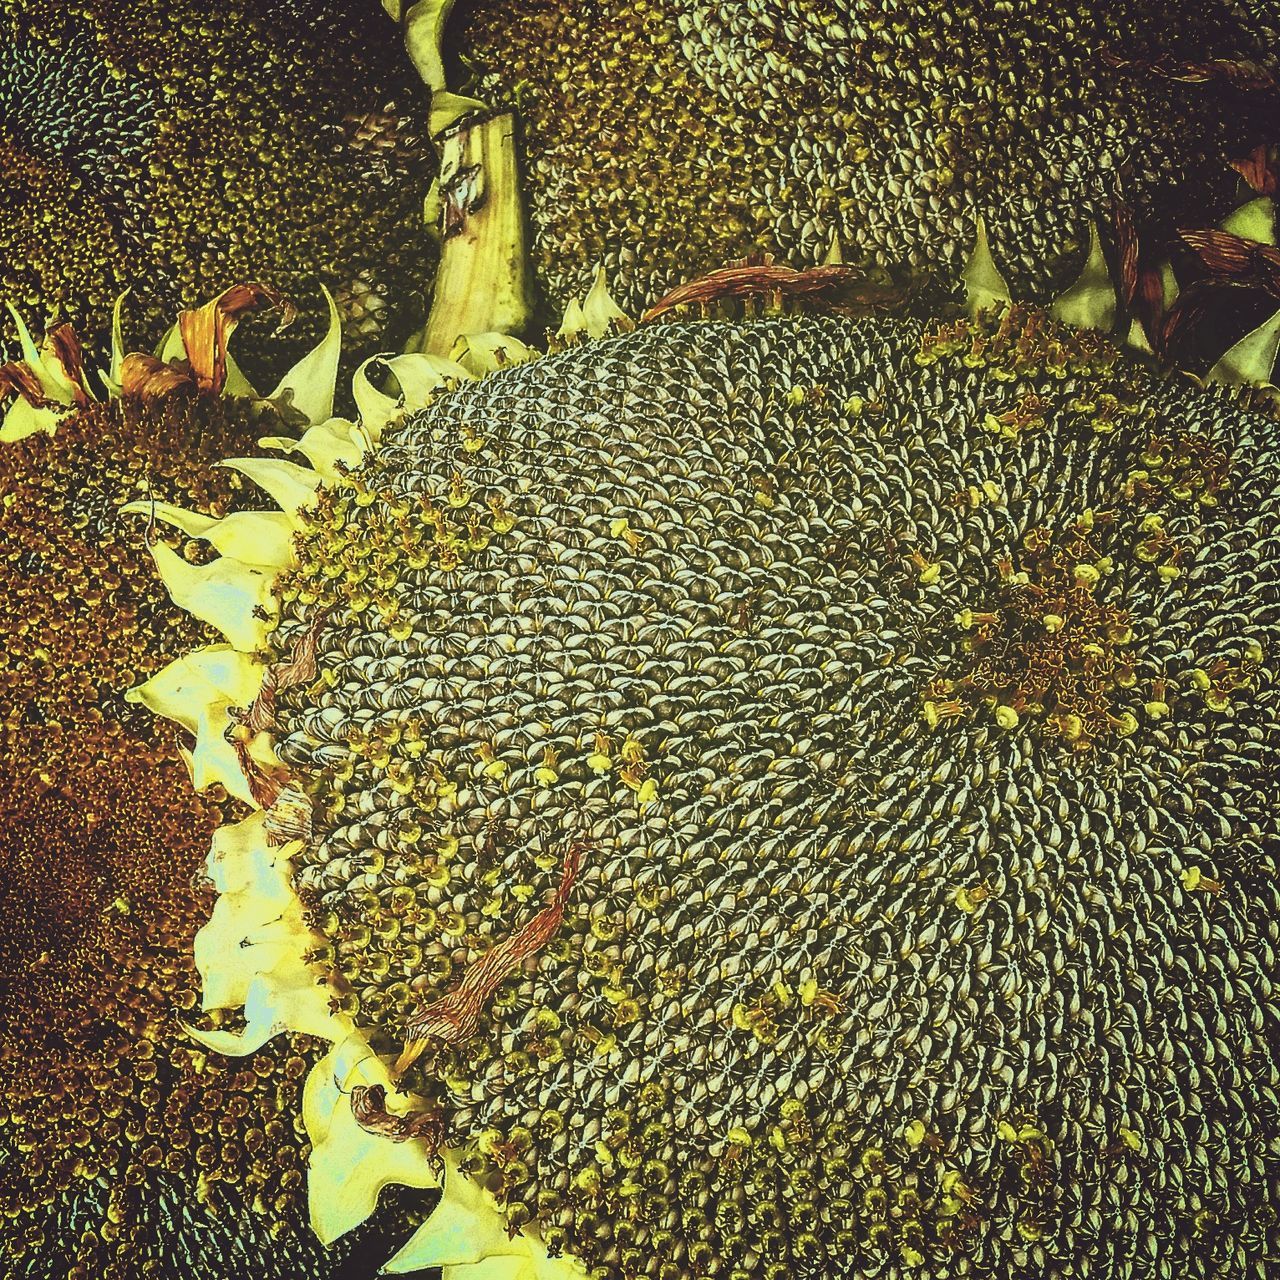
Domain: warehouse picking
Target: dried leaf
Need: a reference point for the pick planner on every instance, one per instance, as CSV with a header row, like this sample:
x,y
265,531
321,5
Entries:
x,y
144,377
1240,74
1260,169
61,344
18,378
456,1015
1235,259
833,285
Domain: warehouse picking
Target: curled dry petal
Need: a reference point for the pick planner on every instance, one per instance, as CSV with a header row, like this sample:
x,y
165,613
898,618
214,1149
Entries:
x,y
455,1016
205,330
840,287
369,1106
17,377
1260,169
62,345
1233,258
1239,74
145,377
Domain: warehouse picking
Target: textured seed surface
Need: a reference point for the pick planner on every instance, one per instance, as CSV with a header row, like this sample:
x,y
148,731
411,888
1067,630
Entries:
x,y
177,149
929,912
125,1152
668,137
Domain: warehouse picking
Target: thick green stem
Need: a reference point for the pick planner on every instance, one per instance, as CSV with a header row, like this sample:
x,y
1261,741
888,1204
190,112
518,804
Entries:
x,y
482,282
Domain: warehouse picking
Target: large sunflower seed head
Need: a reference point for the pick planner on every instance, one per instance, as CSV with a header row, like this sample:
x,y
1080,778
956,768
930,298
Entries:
x,y
908,694
718,128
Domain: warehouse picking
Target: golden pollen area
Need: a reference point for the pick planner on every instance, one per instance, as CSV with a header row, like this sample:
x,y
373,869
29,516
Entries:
x,y
760,800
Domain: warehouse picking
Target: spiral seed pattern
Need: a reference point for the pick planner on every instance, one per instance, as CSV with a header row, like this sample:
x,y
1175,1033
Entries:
x,y
912,690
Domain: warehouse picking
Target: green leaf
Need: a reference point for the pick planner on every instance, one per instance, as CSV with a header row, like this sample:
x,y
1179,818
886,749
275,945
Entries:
x,y
1253,221
1252,361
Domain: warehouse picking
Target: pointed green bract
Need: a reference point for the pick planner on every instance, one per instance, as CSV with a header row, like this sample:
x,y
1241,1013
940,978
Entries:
x,y
984,286
1090,303
600,314
111,376
1253,221
1252,361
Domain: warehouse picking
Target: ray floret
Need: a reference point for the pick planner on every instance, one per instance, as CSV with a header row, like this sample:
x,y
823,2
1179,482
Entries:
x,y
254,953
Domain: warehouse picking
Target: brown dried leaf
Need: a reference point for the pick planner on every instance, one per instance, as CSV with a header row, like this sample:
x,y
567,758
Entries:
x,y
455,1017
61,342
839,286
1235,259
146,377
1260,169
17,377
1240,74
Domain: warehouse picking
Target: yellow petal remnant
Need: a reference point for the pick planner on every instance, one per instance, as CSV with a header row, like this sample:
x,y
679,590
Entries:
x,y
261,538
225,593
481,353
600,314
467,1236
573,324
326,446
253,950
290,486
308,388
349,1165
195,691
49,381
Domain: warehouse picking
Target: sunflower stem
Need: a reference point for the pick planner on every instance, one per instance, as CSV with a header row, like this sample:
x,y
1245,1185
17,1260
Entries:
x,y
482,283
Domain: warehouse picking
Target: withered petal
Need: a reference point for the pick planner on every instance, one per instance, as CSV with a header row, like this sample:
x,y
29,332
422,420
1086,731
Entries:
x,y
147,377
205,330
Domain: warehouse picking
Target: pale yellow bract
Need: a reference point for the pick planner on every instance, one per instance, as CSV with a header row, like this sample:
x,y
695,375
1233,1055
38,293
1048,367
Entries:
x,y
251,953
